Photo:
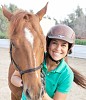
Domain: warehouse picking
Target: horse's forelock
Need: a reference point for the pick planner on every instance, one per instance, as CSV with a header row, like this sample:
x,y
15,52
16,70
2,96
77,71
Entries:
x,y
21,23
17,22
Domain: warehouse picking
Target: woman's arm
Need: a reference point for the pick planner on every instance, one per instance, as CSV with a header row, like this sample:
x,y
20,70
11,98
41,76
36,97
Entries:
x,y
46,97
57,96
60,96
16,79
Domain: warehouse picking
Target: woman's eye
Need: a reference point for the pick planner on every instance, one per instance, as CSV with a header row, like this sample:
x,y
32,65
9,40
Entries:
x,y
54,42
64,45
14,45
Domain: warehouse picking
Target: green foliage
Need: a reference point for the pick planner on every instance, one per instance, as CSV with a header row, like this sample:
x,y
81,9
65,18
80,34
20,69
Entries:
x,y
80,41
77,21
4,22
12,8
3,35
79,11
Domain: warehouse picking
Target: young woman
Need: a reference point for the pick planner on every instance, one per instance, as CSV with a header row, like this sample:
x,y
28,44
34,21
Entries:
x,y
58,75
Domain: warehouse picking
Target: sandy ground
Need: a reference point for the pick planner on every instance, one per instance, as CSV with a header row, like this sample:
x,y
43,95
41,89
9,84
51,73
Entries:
x,y
76,93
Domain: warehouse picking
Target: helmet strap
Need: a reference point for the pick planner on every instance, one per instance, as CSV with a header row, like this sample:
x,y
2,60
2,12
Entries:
x,y
52,58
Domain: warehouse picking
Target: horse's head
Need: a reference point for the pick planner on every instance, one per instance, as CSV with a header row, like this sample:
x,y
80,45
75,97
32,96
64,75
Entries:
x,y
27,48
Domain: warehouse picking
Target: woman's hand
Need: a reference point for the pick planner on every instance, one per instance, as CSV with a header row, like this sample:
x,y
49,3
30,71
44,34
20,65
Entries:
x,y
46,97
16,79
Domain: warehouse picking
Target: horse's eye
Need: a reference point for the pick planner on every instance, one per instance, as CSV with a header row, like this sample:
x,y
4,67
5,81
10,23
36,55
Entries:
x,y
12,44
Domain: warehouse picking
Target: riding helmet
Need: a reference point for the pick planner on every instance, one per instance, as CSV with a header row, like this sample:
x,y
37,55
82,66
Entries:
x,y
62,32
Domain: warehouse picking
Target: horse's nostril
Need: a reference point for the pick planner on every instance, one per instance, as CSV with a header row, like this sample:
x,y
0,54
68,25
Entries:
x,y
27,94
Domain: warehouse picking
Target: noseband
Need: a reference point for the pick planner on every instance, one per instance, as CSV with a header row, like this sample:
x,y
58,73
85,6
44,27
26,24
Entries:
x,y
18,68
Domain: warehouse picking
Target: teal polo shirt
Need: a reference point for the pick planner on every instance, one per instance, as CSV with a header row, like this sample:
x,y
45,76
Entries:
x,y
60,79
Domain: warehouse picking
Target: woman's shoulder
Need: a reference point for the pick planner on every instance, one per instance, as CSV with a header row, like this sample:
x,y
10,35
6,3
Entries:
x,y
66,69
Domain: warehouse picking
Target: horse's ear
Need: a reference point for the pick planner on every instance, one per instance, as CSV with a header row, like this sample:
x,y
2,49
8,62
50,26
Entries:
x,y
42,12
6,13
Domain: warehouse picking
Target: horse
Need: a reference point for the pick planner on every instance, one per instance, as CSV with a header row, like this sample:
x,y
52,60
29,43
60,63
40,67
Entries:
x,y
27,46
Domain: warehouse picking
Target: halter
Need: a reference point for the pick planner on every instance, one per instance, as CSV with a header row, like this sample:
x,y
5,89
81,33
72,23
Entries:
x,y
18,68
28,70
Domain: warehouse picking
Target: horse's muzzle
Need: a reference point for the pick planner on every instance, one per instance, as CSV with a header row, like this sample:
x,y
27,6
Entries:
x,y
31,96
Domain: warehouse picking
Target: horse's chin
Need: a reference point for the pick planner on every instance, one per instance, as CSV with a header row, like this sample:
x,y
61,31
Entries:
x,y
35,98
31,96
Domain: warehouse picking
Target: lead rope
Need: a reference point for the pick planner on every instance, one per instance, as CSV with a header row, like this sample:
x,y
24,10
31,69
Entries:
x,y
43,82
43,78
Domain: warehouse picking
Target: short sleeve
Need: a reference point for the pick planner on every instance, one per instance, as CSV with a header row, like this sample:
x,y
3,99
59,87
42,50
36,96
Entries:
x,y
66,83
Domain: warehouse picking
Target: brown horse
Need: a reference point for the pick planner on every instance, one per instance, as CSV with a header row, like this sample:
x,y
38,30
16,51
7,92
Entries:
x,y
27,45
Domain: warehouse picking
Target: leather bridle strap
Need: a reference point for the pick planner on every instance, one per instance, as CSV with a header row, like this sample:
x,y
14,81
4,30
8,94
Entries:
x,y
30,70
18,68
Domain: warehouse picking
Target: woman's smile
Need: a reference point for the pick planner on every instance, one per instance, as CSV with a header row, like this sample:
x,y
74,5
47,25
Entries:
x,y
56,54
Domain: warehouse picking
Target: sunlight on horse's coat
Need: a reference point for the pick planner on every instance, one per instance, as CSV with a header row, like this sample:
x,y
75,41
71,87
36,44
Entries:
x,y
29,36
35,65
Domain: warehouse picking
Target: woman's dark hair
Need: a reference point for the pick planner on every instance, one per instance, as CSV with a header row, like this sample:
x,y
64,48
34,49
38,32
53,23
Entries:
x,y
79,79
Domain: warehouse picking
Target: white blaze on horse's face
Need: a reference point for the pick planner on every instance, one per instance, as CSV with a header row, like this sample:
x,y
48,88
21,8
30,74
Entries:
x,y
29,36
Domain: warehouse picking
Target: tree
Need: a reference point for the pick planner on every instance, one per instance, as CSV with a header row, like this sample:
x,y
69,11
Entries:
x,y
77,21
56,22
3,20
79,11
12,7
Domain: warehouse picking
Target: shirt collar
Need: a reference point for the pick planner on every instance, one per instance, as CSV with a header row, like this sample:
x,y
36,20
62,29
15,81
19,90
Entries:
x,y
59,68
